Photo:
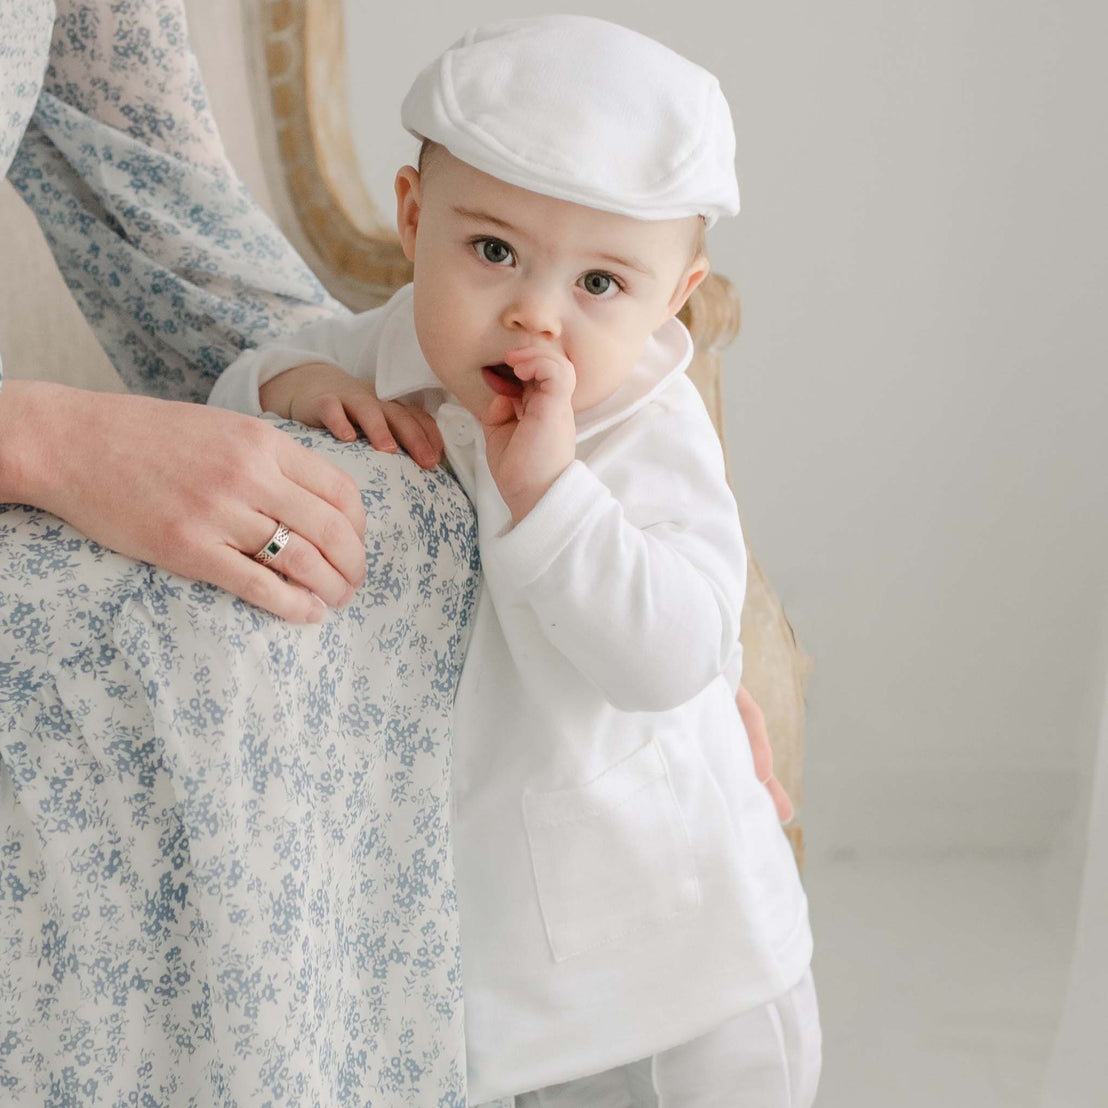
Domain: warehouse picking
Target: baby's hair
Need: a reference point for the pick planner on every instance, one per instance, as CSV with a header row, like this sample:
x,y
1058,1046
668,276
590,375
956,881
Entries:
x,y
700,240
428,148
425,149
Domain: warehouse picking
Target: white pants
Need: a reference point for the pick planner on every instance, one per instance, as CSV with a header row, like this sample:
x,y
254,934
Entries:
x,y
766,1058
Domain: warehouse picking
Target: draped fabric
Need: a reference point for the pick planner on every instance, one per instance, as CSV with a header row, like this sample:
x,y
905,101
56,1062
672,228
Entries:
x,y
24,47
106,133
225,864
225,867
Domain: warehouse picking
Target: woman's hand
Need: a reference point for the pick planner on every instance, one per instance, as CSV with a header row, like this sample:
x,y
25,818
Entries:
x,y
193,489
755,723
322,395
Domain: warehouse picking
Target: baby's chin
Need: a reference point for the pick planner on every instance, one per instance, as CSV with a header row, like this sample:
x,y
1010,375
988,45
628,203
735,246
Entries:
x,y
585,398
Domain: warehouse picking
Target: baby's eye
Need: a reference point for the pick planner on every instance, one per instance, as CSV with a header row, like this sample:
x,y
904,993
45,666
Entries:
x,y
493,250
601,285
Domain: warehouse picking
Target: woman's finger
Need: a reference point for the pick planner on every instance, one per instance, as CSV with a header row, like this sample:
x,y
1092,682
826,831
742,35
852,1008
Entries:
x,y
325,480
301,562
257,584
323,527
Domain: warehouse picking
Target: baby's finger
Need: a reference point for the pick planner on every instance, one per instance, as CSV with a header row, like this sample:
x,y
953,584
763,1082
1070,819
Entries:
x,y
543,368
371,419
754,721
434,435
525,354
332,415
781,800
542,354
500,411
531,363
412,434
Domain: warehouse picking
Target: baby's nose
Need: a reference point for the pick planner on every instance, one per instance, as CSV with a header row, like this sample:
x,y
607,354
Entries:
x,y
534,311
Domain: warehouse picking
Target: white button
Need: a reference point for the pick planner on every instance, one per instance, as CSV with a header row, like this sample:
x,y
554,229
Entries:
x,y
456,424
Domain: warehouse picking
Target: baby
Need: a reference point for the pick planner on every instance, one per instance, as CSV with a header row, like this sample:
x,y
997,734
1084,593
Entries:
x,y
633,926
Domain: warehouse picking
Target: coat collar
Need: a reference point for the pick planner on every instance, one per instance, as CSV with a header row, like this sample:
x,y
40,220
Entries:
x,y
402,370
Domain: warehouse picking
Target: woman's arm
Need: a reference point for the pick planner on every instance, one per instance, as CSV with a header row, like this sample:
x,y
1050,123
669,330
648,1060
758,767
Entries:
x,y
170,259
193,489
177,270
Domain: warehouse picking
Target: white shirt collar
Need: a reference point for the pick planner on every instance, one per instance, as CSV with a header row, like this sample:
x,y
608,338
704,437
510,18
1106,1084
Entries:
x,y
402,369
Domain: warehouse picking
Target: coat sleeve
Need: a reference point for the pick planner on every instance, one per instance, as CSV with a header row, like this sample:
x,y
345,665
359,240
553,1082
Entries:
x,y
350,342
634,564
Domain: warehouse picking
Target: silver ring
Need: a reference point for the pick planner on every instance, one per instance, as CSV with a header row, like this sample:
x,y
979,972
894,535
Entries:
x,y
275,545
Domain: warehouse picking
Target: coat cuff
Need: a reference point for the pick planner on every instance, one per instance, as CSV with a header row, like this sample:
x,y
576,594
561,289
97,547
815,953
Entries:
x,y
240,383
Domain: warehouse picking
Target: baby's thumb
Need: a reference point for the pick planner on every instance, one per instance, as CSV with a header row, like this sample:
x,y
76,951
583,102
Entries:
x,y
499,412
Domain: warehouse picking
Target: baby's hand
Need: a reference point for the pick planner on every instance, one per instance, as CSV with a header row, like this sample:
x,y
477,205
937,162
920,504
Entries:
x,y
755,723
531,440
322,395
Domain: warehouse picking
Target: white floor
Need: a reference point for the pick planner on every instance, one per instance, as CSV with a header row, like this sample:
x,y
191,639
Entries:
x,y
940,980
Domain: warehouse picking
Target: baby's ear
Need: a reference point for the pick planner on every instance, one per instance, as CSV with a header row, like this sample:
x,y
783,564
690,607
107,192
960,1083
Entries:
x,y
409,200
694,274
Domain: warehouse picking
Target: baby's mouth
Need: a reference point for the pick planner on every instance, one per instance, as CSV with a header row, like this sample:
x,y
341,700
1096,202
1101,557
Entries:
x,y
501,378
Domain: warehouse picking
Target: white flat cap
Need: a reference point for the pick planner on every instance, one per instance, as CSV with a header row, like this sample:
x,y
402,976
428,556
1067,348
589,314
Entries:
x,y
582,110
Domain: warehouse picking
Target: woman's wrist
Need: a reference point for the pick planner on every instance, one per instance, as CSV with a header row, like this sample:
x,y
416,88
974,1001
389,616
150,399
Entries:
x,y
47,434
34,418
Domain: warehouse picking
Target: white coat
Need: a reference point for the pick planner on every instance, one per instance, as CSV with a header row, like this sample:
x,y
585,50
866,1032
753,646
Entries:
x,y
623,882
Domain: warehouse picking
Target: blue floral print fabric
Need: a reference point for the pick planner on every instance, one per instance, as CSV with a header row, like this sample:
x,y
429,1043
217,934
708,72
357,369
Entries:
x,y
225,863
225,867
168,255
24,47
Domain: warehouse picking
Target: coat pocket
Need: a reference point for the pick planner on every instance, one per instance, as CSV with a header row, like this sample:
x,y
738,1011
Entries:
x,y
612,858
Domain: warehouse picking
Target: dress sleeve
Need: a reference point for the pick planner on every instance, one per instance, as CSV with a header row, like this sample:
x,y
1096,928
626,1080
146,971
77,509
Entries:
x,y
24,48
169,257
635,564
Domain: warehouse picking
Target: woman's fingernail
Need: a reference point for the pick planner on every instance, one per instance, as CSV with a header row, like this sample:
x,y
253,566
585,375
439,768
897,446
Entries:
x,y
318,611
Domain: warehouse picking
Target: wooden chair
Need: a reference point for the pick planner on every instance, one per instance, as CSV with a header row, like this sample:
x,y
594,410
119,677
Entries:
x,y
299,93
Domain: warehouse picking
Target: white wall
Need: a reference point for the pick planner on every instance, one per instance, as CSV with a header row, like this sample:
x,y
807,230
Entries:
x,y
915,406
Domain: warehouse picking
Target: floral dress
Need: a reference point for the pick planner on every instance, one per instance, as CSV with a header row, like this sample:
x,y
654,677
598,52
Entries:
x,y
106,133
225,867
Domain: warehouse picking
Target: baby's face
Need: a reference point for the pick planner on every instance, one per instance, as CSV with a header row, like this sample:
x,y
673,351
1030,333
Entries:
x,y
498,267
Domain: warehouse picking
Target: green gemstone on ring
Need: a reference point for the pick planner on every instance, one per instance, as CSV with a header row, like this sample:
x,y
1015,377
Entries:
x,y
273,548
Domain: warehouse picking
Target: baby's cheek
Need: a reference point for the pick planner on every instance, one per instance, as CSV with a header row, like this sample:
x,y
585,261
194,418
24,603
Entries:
x,y
596,381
